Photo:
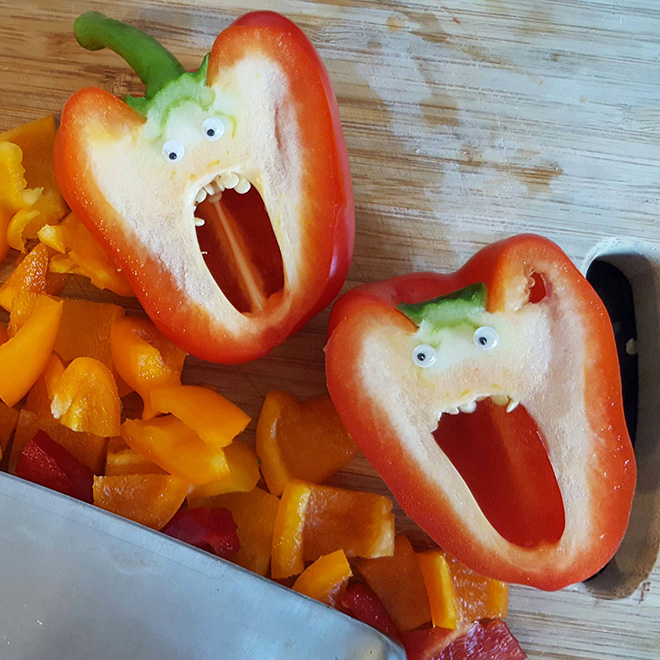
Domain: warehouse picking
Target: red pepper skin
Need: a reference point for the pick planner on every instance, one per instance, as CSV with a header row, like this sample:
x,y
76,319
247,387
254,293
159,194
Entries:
x,y
324,224
48,464
362,603
207,528
592,533
484,640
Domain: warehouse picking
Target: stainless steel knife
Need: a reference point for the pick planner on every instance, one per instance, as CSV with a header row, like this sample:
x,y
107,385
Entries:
x,y
78,583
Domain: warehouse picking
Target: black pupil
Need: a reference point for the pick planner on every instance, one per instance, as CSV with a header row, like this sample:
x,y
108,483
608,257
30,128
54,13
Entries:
x,y
421,357
483,341
210,132
173,155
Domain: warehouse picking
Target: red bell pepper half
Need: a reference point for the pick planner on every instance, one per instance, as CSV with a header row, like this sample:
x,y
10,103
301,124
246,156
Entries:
x,y
48,464
489,639
489,400
207,528
223,195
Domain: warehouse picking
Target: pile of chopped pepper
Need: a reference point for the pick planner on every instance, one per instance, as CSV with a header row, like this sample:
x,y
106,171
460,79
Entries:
x,y
93,407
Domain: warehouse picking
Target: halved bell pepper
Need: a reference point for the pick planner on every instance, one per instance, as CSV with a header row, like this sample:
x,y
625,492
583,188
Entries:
x,y
489,400
301,440
325,579
85,398
257,130
24,356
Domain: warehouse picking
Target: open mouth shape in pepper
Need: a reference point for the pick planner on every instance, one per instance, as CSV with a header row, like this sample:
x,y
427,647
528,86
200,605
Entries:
x,y
489,400
223,195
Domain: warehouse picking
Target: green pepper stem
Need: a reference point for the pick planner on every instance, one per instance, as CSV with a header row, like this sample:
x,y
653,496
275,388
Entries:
x,y
152,62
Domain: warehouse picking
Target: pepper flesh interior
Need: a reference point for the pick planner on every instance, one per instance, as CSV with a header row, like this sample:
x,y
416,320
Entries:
x,y
240,248
503,460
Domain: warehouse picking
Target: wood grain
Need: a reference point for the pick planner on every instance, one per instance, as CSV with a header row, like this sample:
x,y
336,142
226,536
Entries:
x,y
466,121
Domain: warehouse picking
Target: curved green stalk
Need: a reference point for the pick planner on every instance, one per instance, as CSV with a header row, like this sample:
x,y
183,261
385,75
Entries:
x,y
152,62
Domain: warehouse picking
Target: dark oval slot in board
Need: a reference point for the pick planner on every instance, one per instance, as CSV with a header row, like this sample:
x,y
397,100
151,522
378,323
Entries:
x,y
627,282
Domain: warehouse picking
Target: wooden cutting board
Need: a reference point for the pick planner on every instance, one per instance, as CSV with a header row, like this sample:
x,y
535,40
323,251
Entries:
x,y
466,121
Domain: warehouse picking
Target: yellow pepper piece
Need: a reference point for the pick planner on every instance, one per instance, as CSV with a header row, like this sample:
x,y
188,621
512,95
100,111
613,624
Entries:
x,y
144,359
14,194
40,397
121,459
326,578
216,420
287,554
36,140
86,398
24,356
439,588
243,476
82,254
171,445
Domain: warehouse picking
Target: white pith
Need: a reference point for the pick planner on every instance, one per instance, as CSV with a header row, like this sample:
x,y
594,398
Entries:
x,y
157,199
534,364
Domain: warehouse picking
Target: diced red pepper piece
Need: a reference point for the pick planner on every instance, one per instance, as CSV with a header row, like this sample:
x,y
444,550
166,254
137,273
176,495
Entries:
x,y
489,639
207,528
363,604
48,464
398,583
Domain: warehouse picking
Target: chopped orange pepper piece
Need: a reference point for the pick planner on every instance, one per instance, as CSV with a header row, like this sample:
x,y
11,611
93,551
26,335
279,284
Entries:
x,y
36,140
144,359
362,524
477,596
24,356
148,499
398,583
82,254
326,578
14,194
40,397
85,330
8,421
305,440
216,420
171,445
121,459
243,475
254,514
439,588
287,555
87,448
86,398
31,275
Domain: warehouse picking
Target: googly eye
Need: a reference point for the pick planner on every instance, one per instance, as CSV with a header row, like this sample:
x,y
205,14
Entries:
x,y
173,151
485,337
424,356
213,128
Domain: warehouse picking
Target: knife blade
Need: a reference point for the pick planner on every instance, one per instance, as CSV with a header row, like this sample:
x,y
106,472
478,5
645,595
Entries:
x,y
77,582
